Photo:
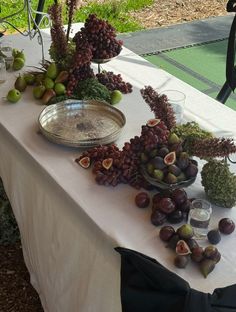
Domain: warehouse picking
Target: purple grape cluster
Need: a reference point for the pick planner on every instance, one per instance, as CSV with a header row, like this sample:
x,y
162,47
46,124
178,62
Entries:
x,y
101,37
112,166
114,82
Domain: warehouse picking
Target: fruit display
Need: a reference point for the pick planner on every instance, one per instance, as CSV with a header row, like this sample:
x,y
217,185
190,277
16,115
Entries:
x,y
172,206
187,249
226,226
219,183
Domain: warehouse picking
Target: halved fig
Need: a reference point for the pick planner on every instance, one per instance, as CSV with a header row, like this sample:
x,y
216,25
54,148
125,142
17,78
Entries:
x,y
182,248
107,163
153,122
85,162
170,158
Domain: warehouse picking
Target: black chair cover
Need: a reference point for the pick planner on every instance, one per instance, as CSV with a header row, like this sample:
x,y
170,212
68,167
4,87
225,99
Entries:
x,y
147,286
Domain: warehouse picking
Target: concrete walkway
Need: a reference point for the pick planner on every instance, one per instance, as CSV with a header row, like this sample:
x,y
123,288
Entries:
x,y
180,35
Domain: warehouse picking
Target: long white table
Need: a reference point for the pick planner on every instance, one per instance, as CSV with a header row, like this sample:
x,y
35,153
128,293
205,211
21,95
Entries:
x,y
69,225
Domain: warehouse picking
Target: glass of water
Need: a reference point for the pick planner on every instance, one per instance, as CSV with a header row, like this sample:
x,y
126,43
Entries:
x,y
199,217
2,70
6,50
177,101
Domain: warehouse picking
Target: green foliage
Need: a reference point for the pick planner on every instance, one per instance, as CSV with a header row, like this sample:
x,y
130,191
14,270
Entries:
x,y
115,11
9,232
92,89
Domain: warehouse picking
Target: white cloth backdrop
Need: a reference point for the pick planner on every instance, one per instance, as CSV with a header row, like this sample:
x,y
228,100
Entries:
x,y
69,225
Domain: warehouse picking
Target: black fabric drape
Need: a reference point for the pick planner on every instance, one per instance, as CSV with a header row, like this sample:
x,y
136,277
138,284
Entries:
x,y
147,286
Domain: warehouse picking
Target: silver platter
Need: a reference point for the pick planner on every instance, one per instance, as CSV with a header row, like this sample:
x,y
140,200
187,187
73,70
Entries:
x,y
102,61
81,123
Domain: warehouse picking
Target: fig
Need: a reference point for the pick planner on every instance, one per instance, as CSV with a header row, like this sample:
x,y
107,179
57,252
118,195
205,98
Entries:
x,y
170,158
150,168
59,88
166,205
175,217
144,158
182,248
38,91
181,261
177,148
181,177
174,169
226,226
185,207
153,153
107,163
13,95
173,138
214,237
142,200
29,79
156,198
197,254
207,266
20,84
210,252
158,218
18,63
185,231
173,241
191,171
62,77
170,178
85,162
52,71
179,196
192,243
158,163
166,232
158,174
153,122
163,151
183,160
48,95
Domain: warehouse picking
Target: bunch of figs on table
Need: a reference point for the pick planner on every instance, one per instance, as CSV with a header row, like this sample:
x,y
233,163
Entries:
x,y
167,206
170,164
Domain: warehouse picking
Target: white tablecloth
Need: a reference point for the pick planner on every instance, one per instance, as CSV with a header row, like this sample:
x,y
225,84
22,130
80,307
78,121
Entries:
x,y
69,225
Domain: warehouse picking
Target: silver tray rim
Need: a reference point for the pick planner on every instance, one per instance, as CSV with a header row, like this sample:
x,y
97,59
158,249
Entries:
x,y
110,138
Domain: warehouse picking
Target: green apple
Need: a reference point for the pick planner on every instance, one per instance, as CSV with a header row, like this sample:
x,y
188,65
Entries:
x,y
48,83
13,95
116,97
59,88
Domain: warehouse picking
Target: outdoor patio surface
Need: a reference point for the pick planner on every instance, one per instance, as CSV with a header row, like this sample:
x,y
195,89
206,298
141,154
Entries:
x,y
194,52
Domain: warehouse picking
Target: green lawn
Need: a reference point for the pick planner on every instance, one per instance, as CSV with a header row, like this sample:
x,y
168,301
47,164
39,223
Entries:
x,y
115,11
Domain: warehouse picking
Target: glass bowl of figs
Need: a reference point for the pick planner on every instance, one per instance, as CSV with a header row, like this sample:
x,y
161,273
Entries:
x,y
165,169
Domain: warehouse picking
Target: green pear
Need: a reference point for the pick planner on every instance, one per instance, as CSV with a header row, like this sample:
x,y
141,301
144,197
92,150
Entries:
x,y
20,83
59,88
52,71
18,63
39,78
39,91
48,83
29,78
13,95
15,52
